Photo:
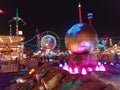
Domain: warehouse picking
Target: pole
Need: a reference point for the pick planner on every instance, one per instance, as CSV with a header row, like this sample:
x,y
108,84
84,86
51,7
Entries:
x,y
90,17
17,22
10,30
80,13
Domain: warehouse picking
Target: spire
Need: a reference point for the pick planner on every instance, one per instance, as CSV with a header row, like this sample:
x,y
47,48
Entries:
x,y
10,29
17,21
90,17
80,12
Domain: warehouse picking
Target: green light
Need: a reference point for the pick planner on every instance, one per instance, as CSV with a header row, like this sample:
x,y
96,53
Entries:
x,y
17,16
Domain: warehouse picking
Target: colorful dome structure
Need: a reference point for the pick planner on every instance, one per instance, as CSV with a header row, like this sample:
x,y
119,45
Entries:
x,y
81,38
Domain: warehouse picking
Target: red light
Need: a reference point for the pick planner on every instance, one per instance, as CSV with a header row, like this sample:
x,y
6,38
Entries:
x,y
106,38
1,12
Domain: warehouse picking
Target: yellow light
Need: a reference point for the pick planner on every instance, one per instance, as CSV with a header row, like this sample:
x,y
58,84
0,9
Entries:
x,y
10,39
1,40
32,71
110,42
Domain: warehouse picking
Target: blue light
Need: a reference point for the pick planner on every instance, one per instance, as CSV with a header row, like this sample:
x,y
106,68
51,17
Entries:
x,y
105,62
75,28
99,63
16,9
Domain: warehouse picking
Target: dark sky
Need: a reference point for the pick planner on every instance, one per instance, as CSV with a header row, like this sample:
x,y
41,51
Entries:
x,y
59,15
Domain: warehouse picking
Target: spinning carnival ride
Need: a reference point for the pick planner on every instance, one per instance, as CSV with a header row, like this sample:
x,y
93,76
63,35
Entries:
x,y
49,40
46,40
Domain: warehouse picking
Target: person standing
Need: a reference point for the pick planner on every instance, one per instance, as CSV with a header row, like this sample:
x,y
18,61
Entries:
x,y
116,58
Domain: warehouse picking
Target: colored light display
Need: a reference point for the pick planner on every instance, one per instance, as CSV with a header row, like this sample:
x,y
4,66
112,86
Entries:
x,y
74,29
48,42
17,21
82,70
83,37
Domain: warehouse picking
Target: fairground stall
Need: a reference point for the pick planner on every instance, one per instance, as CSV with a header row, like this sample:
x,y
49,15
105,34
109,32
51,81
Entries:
x,y
11,51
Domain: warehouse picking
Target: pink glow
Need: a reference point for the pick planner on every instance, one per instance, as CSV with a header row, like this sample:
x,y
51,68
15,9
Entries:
x,y
1,11
81,70
70,70
80,49
65,67
84,71
76,70
90,69
102,68
97,68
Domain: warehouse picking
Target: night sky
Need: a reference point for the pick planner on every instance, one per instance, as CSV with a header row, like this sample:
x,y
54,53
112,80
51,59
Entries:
x,y
59,15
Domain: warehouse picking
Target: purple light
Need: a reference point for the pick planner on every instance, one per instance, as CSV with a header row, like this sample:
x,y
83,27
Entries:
x,y
111,63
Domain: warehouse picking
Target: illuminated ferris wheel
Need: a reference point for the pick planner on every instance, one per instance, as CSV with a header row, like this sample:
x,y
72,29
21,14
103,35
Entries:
x,y
49,40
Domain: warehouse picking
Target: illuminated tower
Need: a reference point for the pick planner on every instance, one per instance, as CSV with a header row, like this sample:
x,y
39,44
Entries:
x,y
17,20
90,17
80,13
10,29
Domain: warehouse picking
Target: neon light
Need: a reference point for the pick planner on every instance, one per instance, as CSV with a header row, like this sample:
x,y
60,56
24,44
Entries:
x,y
75,28
48,42
17,21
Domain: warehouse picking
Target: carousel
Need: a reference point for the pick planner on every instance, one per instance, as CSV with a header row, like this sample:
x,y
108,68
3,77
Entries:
x,y
11,47
11,50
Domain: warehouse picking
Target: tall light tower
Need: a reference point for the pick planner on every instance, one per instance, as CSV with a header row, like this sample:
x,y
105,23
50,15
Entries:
x,y
10,29
16,19
90,17
80,13
17,22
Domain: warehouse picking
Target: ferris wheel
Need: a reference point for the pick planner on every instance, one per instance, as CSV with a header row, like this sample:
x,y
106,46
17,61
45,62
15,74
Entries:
x,y
49,40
